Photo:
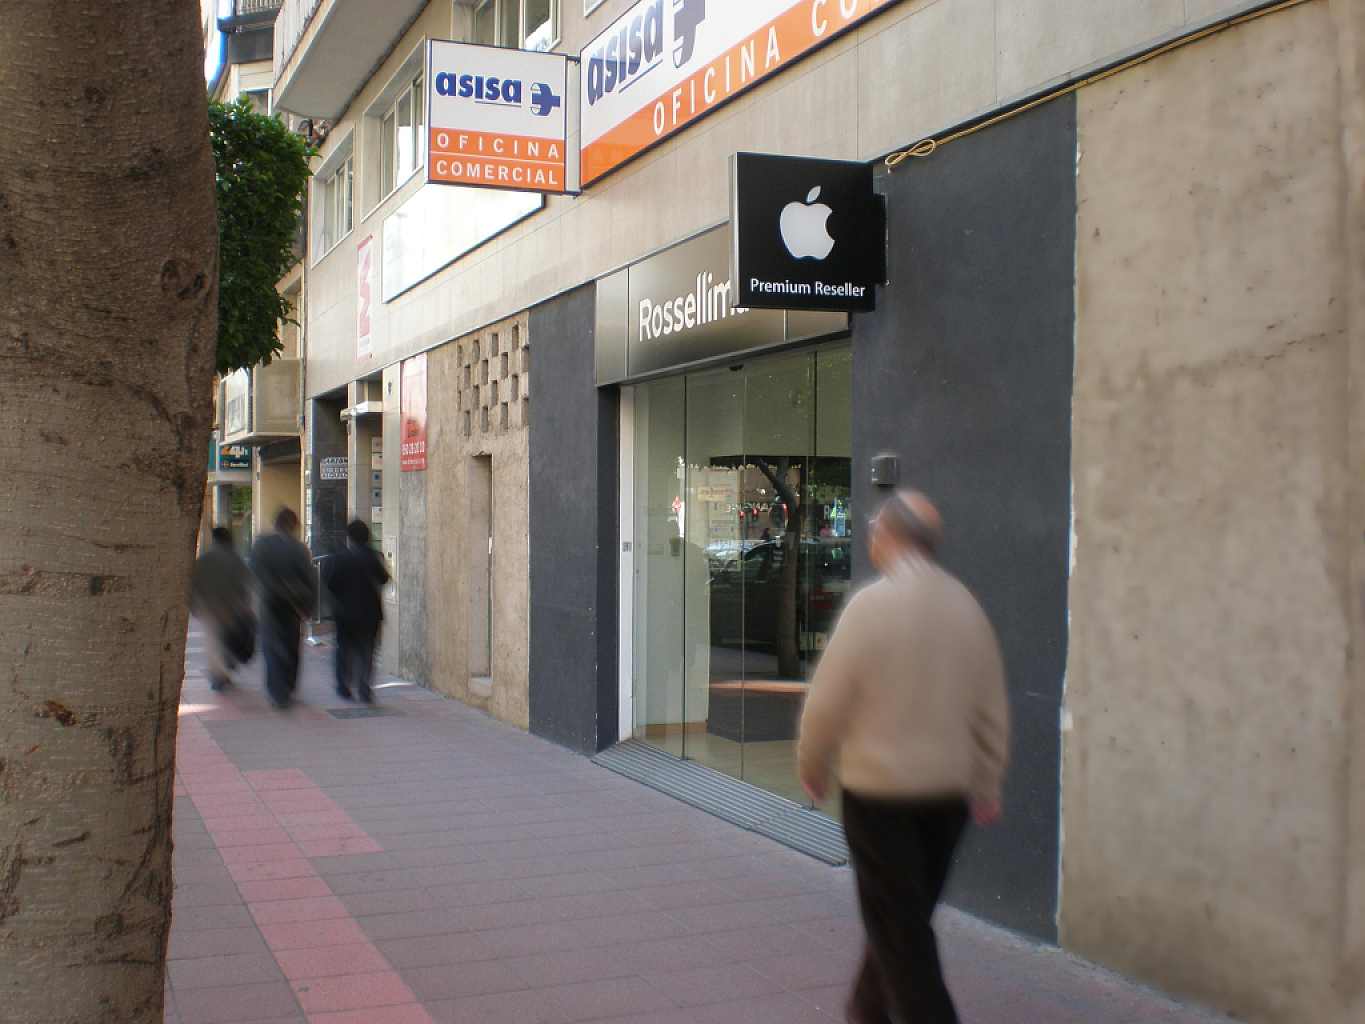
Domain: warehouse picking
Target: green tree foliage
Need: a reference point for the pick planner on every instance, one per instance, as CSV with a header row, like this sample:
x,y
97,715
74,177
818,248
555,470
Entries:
x,y
262,168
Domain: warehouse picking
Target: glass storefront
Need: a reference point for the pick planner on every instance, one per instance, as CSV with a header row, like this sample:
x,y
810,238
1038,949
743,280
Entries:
x,y
742,554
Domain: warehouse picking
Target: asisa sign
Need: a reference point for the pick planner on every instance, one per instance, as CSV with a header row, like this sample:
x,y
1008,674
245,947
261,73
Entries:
x,y
495,117
688,58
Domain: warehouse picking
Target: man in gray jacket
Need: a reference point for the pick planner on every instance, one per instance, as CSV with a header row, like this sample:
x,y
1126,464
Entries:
x,y
911,696
220,595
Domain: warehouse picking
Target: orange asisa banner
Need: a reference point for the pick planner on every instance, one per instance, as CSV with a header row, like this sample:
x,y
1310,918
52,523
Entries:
x,y
666,63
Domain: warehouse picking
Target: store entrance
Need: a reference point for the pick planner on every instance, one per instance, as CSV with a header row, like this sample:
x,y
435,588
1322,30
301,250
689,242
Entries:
x,y
742,556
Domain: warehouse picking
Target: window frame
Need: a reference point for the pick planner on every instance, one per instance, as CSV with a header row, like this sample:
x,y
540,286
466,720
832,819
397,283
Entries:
x,y
334,200
392,175
498,7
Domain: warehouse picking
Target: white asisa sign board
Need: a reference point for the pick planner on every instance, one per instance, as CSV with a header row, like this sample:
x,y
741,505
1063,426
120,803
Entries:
x,y
496,117
666,63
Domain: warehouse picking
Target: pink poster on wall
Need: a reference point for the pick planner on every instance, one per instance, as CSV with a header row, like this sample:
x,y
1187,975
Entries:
x,y
364,344
412,405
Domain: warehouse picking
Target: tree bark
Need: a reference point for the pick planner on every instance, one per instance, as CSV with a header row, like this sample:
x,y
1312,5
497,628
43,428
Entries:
x,y
108,250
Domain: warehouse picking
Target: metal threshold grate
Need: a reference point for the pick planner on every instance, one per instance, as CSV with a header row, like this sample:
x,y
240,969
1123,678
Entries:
x,y
377,711
790,824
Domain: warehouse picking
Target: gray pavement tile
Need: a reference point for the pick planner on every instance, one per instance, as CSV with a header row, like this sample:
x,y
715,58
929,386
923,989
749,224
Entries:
x,y
458,981
524,1007
783,1007
600,1000
569,967
722,983
435,950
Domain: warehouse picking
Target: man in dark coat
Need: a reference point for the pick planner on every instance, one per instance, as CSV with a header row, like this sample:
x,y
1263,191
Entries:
x,y
288,595
220,595
354,580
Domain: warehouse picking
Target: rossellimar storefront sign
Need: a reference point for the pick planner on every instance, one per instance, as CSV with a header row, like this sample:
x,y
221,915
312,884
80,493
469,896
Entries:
x,y
807,234
676,309
496,117
665,63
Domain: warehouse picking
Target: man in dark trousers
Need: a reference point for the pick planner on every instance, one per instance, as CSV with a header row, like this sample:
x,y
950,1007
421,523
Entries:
x,y
288,595
220,595
354,580
911,695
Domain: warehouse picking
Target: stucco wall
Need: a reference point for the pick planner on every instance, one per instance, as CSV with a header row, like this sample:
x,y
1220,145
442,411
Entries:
x,y
1204,767
918,67
454,371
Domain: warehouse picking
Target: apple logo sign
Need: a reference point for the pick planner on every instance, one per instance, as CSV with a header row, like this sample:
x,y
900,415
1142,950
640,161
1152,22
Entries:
x,y
803,228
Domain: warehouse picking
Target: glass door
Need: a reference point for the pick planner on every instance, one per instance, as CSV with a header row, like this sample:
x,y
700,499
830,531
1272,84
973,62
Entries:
x,y
741,557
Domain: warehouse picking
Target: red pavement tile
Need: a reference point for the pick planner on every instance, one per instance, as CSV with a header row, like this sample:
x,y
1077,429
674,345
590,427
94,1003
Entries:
x,y
283,889
352,992
239,823
329,961
310,934
266,781
250,837
410,1014
259,871
275,850
317,908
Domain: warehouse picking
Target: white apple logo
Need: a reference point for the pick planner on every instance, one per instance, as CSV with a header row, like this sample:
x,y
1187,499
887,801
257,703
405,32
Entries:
x,y
803,228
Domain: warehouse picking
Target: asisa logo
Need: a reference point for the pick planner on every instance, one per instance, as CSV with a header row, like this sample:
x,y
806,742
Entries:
x,y
480,88
638,46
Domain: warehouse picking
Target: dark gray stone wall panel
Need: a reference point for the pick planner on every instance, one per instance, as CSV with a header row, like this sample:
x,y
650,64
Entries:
x,y
573,685
965,373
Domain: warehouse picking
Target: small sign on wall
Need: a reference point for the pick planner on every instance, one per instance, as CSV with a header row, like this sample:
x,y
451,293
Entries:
x,y
412,403
334,469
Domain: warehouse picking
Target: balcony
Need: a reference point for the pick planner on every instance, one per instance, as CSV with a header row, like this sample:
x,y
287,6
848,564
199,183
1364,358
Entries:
x,y
325,50
248,14
263,405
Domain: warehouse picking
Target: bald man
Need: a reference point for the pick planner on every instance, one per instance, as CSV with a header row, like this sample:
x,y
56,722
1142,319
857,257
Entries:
x,y
910,694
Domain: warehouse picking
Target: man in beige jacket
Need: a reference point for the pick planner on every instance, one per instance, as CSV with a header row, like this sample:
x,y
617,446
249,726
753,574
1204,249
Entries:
x,y
911,696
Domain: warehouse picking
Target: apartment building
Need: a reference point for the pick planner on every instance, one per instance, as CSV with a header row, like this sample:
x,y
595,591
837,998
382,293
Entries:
x,y
1125,286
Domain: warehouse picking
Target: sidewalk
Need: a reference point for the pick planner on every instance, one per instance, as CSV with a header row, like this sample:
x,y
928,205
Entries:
x,y
434,866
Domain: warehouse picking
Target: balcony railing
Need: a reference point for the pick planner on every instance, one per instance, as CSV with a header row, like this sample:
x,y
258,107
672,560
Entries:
x,y
250,14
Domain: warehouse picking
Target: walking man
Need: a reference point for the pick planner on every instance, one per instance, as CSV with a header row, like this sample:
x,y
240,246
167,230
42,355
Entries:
x,y
220,595
911,695
354,579
288,595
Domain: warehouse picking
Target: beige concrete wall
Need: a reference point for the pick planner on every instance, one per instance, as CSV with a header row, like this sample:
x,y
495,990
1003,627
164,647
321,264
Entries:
x,y
920,66
459,397
1209,679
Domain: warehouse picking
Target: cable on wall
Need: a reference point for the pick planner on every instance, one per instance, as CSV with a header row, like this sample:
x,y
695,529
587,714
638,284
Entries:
x,y
926,147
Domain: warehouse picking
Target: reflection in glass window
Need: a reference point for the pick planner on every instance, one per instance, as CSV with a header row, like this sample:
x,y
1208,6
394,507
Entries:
x,y
402,143
517,24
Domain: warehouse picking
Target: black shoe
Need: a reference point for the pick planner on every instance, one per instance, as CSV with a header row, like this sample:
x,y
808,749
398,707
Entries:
x,y
367,696
344,693
279,705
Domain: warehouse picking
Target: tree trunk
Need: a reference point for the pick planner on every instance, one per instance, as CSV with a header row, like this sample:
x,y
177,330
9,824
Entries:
x,y
786,637
108,250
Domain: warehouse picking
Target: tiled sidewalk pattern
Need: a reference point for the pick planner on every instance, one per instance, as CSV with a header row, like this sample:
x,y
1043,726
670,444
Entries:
x,y
439,867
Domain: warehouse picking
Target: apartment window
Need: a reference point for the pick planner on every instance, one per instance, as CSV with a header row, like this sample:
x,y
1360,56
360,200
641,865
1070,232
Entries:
x,y
402,137
336,194
519,24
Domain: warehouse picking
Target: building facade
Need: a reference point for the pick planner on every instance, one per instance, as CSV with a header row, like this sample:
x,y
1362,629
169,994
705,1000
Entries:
x,y
1117,344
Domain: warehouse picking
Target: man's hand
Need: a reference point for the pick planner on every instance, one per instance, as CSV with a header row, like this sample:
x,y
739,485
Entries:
x,y
984,811
816,786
